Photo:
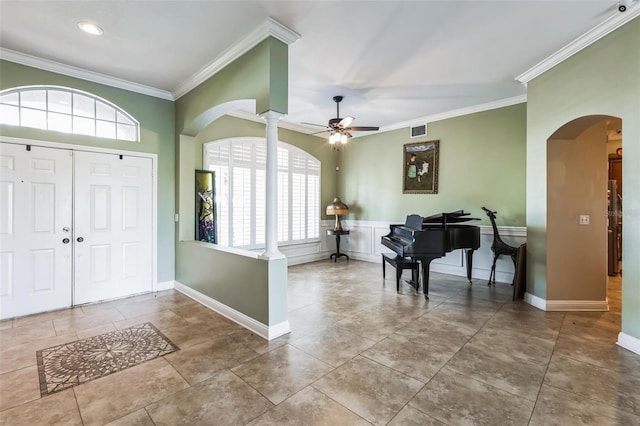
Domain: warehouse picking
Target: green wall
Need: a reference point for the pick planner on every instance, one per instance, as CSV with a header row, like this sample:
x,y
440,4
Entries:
x,y
156,117
246,274
481,163
601,79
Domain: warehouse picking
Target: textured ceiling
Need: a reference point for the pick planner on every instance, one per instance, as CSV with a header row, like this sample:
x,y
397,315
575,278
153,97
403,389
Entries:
x,y
393,61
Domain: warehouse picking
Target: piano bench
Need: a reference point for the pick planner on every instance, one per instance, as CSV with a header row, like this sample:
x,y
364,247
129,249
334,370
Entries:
x,y
401,263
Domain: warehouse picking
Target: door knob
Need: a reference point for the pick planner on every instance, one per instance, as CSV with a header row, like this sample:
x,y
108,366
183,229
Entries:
x,y
80,239
65,240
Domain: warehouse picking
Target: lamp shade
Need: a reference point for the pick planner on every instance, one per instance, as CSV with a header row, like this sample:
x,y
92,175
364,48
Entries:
x,y
337,207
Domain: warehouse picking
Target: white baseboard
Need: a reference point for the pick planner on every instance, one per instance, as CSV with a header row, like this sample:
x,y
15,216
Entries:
x,y
577,305
307,258
164,285
629,342
262,330
566,305
278,330
535,301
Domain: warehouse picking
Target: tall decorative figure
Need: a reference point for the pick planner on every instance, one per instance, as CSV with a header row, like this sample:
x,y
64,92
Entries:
x,y
499,247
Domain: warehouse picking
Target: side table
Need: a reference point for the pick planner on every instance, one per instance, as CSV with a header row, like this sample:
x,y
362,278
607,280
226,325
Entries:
x,y
337,233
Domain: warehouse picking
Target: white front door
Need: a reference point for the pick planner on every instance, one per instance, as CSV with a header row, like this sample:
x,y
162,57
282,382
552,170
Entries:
x,y
75,227
112,226
35,229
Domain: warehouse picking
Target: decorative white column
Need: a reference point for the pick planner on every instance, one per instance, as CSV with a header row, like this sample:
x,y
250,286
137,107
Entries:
x,y
271,231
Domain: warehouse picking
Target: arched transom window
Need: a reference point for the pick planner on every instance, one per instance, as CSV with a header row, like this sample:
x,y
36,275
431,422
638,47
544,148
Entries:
x,y
66,110
240,181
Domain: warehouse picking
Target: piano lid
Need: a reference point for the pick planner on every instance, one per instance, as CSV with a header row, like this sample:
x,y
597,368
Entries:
x,y
451,217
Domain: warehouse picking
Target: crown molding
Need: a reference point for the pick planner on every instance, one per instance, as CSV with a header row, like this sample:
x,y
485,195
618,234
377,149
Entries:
x,y
270,28
71,71
501,103
609,25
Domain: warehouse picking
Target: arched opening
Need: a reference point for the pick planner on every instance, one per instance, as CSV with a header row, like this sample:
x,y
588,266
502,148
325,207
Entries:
x,y
578,212
212,114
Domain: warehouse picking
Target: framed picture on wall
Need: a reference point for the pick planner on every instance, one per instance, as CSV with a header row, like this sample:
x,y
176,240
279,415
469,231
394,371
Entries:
x,y
205,207
420,167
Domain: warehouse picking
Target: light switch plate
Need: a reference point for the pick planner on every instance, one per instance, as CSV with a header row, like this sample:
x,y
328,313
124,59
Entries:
x,y
584,219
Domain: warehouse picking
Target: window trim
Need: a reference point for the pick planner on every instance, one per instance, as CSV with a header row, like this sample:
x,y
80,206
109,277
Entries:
x,y
117,110
289,147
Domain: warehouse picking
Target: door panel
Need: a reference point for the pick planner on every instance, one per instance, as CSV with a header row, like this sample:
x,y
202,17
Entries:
x,y
113,226
35,217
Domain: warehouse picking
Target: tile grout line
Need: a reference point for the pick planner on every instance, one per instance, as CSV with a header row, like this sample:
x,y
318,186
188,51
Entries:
x,y
546,369
75,397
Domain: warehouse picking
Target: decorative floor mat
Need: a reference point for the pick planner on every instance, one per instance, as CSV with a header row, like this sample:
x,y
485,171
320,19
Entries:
x,y
63,366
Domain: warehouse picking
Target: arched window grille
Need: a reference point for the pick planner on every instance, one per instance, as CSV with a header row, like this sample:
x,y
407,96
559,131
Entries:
x,y
66,110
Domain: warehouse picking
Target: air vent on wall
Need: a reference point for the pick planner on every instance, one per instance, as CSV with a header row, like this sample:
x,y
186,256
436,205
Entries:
x,y
417,131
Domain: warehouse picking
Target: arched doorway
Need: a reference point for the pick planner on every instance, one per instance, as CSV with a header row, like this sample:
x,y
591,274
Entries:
x,y
577,213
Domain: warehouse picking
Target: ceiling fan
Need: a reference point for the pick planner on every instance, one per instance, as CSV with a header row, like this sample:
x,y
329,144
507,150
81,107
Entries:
x,y
339,128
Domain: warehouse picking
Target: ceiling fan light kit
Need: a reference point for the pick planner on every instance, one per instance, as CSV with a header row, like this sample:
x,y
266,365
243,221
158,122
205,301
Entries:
x,y
339,128
338,137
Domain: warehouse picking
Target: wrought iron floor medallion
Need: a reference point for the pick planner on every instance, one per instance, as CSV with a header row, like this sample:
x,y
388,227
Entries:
x,y
63,366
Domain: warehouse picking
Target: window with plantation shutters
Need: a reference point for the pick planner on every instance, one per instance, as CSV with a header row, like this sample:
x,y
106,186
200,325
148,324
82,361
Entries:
x,y
240,166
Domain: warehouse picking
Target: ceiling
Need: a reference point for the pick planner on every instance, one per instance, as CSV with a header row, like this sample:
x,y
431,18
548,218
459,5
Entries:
x,y
393,61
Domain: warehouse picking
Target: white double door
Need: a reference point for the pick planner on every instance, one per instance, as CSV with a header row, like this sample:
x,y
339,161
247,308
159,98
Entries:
x,y
75,227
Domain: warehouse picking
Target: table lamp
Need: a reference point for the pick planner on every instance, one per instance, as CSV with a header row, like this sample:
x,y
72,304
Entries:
x,y
337,208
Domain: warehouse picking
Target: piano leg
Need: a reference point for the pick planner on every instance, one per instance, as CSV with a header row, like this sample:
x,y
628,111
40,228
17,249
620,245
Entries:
x,y
469,264
425,278
415,276
425,262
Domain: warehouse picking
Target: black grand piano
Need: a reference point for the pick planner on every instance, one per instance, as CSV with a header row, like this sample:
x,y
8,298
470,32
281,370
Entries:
x,y
429,238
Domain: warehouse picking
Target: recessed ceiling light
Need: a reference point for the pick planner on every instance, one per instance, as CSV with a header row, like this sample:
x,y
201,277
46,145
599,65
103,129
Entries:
x,y
90,28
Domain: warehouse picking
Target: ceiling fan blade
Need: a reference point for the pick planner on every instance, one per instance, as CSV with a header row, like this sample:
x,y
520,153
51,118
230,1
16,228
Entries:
x,y
362,128
321,131
345,122
313,124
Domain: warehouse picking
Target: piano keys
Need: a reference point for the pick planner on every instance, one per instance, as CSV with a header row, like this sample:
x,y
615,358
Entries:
x,y
432,237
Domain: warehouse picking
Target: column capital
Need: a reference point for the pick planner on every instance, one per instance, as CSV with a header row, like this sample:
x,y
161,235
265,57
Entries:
x,y
272,115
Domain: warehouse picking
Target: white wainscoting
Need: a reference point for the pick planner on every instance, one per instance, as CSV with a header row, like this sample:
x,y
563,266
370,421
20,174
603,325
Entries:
x,y
363,243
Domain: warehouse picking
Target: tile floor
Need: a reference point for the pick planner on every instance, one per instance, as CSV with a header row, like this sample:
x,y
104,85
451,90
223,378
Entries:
x,y
358,353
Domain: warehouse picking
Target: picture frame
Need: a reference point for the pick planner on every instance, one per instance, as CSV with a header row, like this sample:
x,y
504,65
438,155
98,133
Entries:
x,y
205,213
420,167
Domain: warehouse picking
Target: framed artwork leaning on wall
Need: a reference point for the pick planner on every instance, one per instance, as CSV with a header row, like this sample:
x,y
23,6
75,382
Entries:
x,y
205,207
420,167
